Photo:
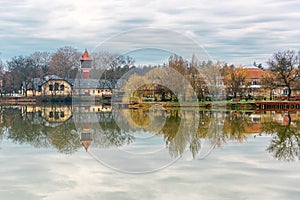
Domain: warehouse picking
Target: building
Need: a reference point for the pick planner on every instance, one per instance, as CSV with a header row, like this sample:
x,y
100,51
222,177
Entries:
x,y
52,115
54,86
85,86
254,77
86,64
51,86
92,87
86,136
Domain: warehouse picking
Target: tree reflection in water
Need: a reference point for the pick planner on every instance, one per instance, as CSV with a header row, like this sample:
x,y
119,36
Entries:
x,y
285,143
120,128
30,128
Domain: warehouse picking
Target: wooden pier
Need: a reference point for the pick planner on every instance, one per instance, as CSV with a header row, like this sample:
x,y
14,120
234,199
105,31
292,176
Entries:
x,y
278,105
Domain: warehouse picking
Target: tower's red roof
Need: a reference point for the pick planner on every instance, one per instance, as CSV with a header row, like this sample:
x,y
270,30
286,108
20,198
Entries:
x,y
85,56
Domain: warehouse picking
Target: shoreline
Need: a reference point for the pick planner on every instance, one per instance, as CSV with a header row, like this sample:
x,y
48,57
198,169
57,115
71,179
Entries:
x,y
230,105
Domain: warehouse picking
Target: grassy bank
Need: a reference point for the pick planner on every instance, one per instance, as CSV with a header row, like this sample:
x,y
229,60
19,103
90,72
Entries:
x,y
248,105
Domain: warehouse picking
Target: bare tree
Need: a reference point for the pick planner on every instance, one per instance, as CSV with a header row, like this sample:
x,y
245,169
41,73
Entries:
x,y
64,62
110,66
22,70
1,75
286,68
41,60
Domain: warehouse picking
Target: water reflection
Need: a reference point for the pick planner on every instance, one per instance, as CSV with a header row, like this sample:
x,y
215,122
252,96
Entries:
x,y
35,126
284,128
54,126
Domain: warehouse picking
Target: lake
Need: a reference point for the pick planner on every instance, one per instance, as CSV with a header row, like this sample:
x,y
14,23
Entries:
x,y
100,152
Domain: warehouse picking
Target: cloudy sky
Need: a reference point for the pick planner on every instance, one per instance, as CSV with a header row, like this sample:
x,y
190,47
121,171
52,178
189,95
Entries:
x,y
233,31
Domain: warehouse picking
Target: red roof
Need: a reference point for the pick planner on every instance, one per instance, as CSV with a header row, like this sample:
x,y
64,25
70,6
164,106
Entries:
x,y
254,73
85,56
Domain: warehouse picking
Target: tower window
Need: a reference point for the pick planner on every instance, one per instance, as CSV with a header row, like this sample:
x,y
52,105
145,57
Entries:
x,y
56,115
51,87
55,86
62,87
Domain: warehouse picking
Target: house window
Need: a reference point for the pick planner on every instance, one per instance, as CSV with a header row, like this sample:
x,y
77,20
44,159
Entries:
x,y
50,114
98,91
93,91
62,87
255,82
55,86
62,114
51,87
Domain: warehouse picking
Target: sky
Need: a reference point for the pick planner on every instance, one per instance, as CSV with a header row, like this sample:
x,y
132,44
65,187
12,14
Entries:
x,y
233,31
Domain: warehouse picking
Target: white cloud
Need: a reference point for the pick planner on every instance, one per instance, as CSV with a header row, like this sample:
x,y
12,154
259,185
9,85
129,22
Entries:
x,y
224,27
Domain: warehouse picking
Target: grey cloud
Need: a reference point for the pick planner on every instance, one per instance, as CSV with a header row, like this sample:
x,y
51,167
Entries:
x,y
261,26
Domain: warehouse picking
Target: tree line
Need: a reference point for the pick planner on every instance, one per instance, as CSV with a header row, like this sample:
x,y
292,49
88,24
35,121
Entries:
x,y
206,77
19,71
218,80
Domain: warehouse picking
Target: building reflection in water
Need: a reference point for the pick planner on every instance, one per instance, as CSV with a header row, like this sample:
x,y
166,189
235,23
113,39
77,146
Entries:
x,y
52,115
68,128
85,117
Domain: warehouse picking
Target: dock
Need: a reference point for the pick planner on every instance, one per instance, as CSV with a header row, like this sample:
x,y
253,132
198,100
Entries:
x,y
278,105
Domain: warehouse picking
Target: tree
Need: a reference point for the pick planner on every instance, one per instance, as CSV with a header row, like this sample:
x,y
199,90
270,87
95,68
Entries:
x,y
132,87
234,79
41,61
22,72
110,66
286,68
285,143
258,65
179,64
268,82
1,76
196,78
213,79
65,62
7,82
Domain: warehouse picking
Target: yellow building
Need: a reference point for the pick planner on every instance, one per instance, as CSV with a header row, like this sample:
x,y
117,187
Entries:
x,y
50,86
56,86
52,114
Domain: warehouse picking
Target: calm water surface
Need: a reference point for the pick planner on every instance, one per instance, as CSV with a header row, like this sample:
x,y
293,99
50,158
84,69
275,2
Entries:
x,y
65,152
